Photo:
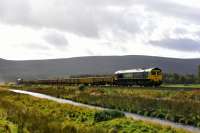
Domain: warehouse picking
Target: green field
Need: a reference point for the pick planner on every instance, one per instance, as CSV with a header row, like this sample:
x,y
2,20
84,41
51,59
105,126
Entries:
x,y
26,114
175,104
6,126
197,86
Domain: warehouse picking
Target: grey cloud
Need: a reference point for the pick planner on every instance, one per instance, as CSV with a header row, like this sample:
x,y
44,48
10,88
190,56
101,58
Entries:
x,y
85,18
180,31
90,52
198,33
126,22
108,44
15,12
166,7
37,46
56,39
171,8
89,17
186,45
124,49
68,17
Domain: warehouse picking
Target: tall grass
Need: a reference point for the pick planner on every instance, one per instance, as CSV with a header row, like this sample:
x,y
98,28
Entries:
x,y
34,115
178,106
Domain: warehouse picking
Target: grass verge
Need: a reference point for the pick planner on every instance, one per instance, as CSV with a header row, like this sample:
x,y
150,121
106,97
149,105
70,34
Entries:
x,y
182,106
26,114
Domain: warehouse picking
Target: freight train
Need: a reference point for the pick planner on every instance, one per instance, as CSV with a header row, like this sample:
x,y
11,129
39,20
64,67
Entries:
x,y
141,77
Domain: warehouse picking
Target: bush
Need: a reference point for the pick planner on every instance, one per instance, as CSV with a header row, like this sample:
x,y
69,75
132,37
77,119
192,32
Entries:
x,y
69,128
113,130
107,115
81,87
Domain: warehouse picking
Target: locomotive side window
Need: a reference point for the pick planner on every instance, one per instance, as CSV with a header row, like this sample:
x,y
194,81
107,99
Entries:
x,y
119,76
159,73
138,75
128,75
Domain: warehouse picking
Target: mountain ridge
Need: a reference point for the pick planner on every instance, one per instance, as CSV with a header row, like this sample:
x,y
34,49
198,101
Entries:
x,y
102,56
10,70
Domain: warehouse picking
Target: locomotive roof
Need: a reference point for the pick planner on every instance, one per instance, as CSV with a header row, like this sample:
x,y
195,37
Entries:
x,y
135,70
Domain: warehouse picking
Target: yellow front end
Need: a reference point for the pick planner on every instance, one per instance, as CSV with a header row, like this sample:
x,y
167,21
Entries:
x,y
155,76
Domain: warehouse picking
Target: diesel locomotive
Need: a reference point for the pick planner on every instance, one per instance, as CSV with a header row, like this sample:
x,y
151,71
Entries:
x,y
141,77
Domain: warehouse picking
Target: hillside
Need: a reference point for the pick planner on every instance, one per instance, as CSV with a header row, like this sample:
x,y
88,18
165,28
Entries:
x,y
40,69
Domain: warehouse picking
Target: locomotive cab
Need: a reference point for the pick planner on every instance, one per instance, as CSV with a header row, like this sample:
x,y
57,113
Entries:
x,y
155,76
142,77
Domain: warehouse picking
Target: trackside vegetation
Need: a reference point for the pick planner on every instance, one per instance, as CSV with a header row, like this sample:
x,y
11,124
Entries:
x,y
182,106
21,113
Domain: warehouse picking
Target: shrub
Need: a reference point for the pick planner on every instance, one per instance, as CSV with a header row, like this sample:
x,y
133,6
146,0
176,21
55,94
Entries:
x,y
69,129
107,115
113,130
81,87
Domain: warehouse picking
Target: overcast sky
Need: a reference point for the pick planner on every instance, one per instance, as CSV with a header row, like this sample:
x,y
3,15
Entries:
x,y
44,29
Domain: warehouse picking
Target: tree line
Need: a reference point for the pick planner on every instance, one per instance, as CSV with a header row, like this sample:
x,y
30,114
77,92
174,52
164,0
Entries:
x,y
174,78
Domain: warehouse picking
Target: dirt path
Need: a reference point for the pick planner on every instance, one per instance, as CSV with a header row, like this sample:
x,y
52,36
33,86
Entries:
x,y
127,114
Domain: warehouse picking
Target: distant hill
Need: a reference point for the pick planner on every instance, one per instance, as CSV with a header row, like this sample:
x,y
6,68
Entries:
x,y
43,69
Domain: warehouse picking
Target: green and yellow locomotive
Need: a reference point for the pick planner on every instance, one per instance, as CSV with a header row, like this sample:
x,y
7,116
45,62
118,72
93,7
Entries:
x,y
142,77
